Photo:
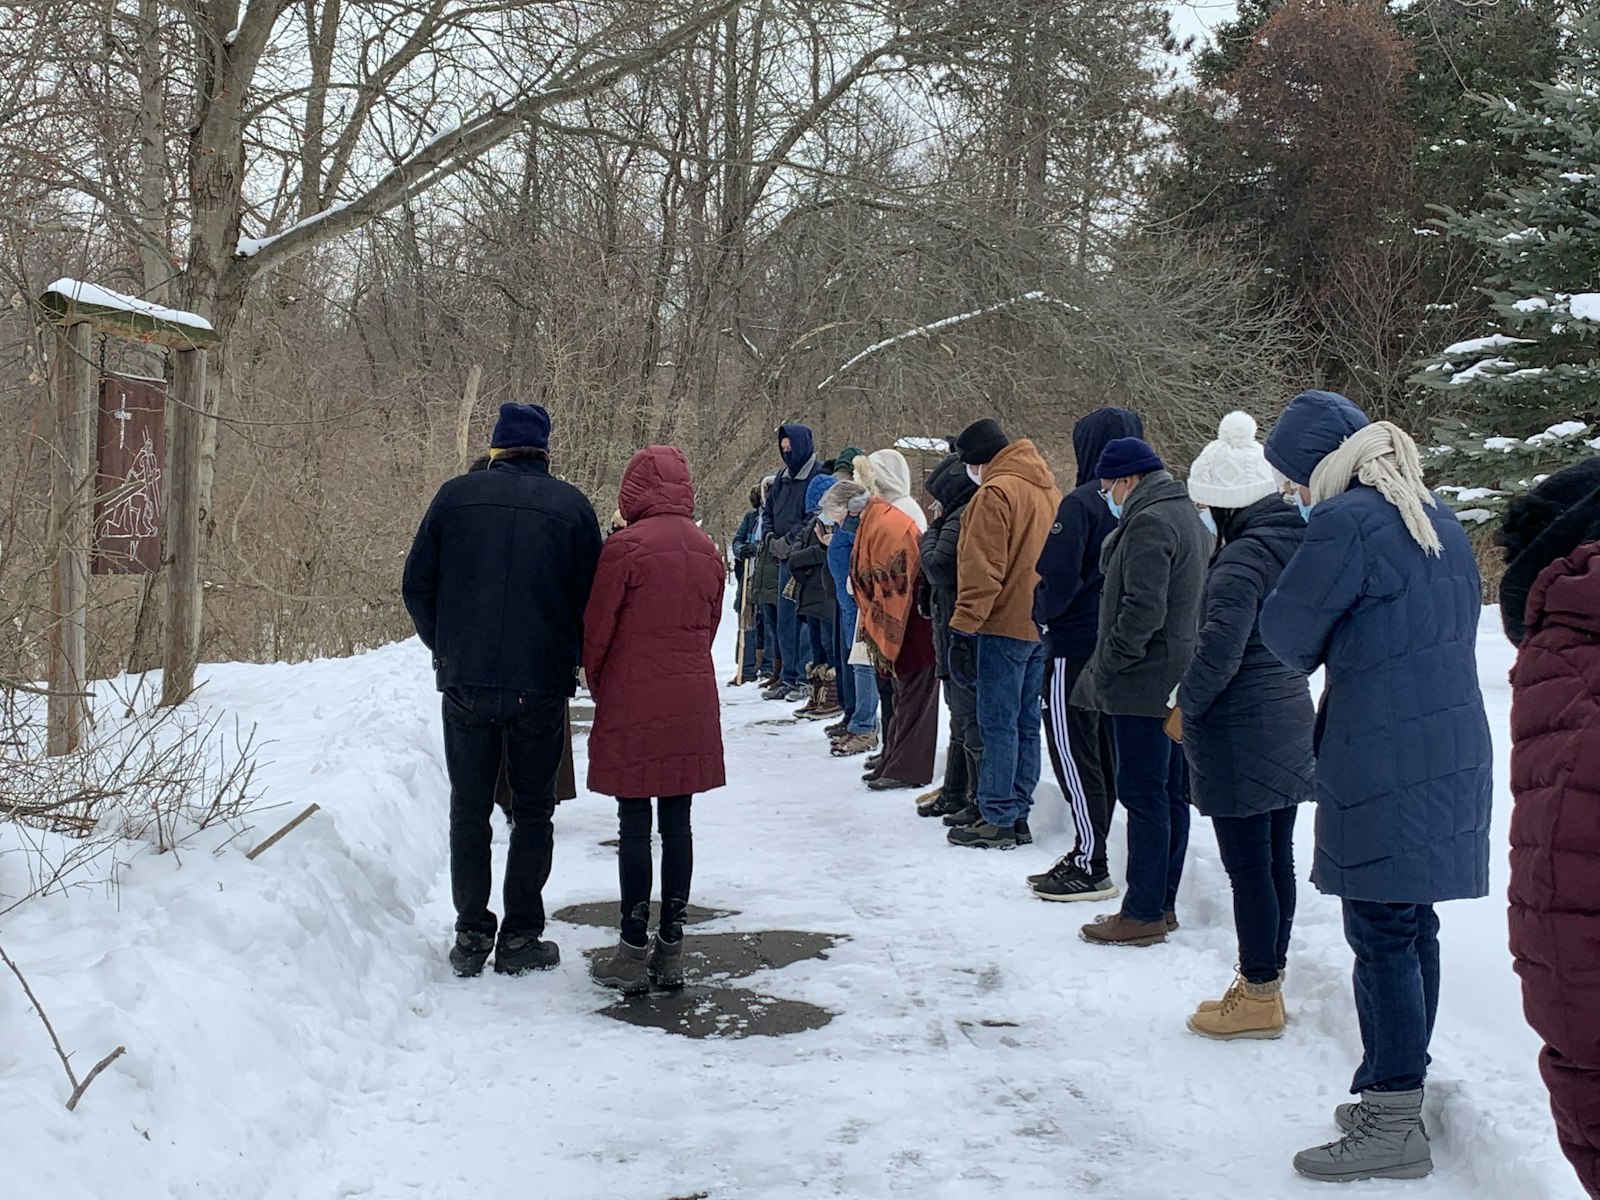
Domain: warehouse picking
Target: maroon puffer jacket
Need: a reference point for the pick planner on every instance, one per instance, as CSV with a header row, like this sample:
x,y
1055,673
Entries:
x,y
647,641
1555,843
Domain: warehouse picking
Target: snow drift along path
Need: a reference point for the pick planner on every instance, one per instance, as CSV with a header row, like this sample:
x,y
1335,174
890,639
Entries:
x,y
294,1034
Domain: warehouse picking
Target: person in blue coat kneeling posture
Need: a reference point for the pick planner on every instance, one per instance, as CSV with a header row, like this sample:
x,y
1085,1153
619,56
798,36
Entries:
x,y
1384,594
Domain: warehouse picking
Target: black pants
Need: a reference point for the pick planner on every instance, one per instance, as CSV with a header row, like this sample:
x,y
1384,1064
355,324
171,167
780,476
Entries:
x,y
634,868
1258,854
1083,753
966,744
480,723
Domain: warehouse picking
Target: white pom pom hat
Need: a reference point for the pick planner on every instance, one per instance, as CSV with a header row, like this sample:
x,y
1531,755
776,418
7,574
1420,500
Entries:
x,y
1232,472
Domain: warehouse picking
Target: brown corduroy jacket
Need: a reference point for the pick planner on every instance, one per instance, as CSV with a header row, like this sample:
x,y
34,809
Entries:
x,y
1002,532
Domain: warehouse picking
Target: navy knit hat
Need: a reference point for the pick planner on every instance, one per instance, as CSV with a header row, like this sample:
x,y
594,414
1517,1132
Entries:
x,y
521,426
1128,456
979,442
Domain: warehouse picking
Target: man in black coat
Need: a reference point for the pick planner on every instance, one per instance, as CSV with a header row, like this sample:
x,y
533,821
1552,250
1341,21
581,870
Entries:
x,y
951,488
1155,568
783,515
496,585
1066,606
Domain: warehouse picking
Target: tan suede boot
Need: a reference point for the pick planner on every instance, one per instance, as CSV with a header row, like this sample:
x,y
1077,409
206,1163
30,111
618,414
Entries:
x,y
1213,1005
1249,1010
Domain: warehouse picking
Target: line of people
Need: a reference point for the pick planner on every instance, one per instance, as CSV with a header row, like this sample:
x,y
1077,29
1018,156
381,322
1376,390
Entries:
x,y
1162,636
1157,637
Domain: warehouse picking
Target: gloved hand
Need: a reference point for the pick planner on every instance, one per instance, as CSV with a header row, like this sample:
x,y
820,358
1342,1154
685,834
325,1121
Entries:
x,y
964,658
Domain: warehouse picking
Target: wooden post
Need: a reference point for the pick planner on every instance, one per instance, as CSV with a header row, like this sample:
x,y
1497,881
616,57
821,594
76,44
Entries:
x,y
72,500
182,552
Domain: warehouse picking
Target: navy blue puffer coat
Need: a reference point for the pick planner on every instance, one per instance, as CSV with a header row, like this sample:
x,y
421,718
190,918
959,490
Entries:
x,y
1247,718
1404,759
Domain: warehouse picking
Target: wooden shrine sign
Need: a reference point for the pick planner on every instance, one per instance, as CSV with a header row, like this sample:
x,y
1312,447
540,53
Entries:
x,y
130,489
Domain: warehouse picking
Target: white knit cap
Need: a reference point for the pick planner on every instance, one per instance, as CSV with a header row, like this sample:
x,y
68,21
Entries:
x,y
1232,472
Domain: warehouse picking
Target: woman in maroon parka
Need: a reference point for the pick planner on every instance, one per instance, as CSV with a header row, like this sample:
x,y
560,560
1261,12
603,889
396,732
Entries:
x,y
657,732
1550,603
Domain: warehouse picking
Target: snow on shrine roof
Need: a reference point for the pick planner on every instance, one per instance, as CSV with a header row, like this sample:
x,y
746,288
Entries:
x,y
91,293
927,445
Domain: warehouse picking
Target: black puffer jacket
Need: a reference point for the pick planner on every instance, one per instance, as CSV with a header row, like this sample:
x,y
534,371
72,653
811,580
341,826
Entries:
x,y
499,575
951,486
1247,718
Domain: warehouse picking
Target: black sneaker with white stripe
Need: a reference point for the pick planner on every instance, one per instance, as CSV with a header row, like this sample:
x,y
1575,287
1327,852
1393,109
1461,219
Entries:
x,y
1066,882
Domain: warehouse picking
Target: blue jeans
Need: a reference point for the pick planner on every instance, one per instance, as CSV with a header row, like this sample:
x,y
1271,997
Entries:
x,y
752,643
822,641
767,614
1010,684
796,653
840,660
1152,784
862,708
1397,991
1258,854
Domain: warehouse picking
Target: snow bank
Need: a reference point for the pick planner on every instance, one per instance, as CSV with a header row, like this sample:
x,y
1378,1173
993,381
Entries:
x,y
91,293
293,1035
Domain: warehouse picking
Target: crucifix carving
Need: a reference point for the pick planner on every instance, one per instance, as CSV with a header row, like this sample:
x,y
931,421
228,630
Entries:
x,y
122,416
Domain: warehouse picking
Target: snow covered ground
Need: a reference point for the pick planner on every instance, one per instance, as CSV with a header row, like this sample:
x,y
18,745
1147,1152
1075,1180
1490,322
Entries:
x,y
293,1033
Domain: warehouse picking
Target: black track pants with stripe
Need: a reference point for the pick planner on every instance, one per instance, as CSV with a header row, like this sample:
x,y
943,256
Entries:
x,y
1084,755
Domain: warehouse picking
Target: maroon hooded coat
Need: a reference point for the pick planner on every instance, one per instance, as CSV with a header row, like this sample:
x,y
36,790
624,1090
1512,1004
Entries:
x,y
647,641
1555,843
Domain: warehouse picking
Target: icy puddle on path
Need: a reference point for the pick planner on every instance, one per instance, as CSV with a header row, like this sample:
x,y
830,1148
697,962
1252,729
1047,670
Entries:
x,y
710,1007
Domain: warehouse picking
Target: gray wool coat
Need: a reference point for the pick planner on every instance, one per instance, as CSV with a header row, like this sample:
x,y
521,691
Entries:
x,y
1150,612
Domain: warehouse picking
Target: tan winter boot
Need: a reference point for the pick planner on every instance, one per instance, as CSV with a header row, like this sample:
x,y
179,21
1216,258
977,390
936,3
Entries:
x,y
1249,1010
1213,1005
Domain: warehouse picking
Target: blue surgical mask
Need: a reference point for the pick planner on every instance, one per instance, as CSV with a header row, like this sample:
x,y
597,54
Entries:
x,y
1116,509
1305,509
1208,521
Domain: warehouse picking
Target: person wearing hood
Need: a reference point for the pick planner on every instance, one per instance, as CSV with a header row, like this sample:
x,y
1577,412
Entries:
x,y
1384,596
885,572
783,518
994,643
818,607
496,584
951,489
886,473
1550,605
1247,721
1155,569
1066,607
648,633
857,731
746,546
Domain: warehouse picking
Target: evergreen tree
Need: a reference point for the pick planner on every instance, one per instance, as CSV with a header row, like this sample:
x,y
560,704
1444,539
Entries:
x,y
1526,394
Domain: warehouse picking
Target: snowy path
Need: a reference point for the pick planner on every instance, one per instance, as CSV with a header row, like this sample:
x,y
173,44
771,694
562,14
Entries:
x,y
316,1046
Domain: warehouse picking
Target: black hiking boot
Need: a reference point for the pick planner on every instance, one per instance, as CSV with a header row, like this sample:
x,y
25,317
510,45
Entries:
x,y
884,783
522,953
1024,834
944,806
984,836
470,952
964,816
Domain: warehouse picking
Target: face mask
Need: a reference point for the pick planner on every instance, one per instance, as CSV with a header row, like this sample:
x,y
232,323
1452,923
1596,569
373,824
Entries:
x,y
975,474
1305,509
826,520
1116,509
1208,521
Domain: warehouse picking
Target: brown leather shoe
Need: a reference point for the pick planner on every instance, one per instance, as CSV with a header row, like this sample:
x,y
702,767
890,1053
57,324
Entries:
x,y
1114,929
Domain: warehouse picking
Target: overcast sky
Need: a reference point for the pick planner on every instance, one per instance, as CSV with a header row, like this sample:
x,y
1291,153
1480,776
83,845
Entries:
x,y
1198,16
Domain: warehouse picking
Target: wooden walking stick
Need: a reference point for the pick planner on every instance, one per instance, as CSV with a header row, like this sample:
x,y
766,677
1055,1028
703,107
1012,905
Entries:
x,y
744,622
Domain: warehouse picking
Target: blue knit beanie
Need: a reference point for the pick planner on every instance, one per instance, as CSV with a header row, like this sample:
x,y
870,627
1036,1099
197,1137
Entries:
x,y
1128,456
521,426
